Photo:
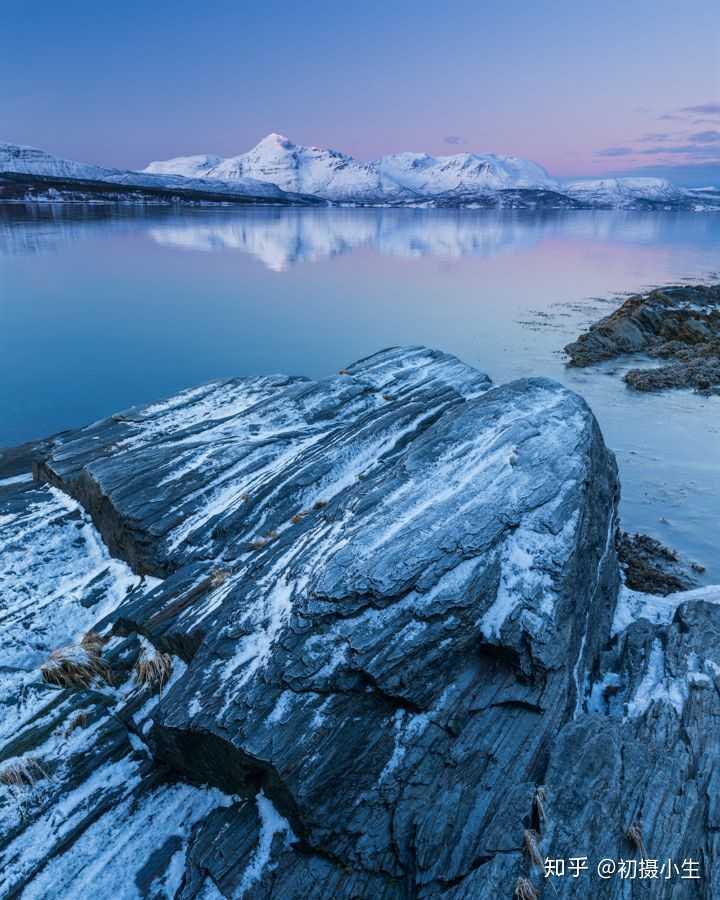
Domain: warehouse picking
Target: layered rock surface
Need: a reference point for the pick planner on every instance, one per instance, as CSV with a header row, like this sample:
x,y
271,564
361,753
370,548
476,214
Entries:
x,y
389,599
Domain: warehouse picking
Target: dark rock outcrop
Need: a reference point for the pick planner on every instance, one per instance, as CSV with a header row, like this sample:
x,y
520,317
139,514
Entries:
x,y
391,598
652,567
677,323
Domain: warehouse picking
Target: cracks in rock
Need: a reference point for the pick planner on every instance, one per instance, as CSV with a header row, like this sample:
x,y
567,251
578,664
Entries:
x,y
305,848
517,704
204,757
483,859
393,700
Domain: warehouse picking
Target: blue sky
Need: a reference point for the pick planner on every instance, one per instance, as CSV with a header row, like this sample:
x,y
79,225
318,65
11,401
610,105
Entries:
x,y
581,87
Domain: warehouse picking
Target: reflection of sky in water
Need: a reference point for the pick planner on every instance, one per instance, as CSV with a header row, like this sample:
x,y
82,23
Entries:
x,y
99,311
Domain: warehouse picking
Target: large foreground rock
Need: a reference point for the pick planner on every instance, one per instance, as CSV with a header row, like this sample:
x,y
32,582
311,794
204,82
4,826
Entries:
x,y
390,603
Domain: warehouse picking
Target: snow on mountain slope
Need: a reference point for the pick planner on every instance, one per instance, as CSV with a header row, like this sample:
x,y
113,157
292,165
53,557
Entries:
x,y
340,178
18,159
624,191
463,172
278,170
31,161
187,166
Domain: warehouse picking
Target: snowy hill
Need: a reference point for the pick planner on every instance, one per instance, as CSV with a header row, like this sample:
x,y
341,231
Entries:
x,y
623,192
342,179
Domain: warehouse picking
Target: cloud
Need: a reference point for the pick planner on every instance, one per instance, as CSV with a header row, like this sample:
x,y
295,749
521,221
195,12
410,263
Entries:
x,y
698,150
654,136
709,109
701,109
705,137
455,139
615,151
690,174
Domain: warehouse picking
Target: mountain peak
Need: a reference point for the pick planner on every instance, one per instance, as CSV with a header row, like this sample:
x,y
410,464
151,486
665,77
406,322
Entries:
x,y
274,139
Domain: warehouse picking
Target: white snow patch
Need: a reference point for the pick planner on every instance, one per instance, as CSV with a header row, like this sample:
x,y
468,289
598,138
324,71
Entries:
x,y
271,824
16,479
105,858
633,605
51,558
657,686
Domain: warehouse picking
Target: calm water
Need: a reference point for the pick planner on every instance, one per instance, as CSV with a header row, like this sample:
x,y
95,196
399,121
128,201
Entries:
x,y
102,309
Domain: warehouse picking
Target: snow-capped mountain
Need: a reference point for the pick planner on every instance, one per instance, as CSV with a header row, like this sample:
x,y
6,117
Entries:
x,y
31,161
18,160
623,192
276,171
342,179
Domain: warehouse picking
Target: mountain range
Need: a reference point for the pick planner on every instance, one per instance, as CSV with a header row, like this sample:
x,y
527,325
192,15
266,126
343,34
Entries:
x,y
277,171
28,174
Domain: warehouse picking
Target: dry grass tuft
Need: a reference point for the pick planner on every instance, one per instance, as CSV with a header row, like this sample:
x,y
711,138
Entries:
x,y
539,804
77,665
343,372
525,890
153,669
93,642
77,721
531,846
20,776
635,836
22,773
319,504
388,398
218,577
298,517
263,541
244,497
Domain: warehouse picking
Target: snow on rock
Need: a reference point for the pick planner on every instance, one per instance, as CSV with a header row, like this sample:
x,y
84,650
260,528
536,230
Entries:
x,y
634,605
390,598
87,818
114,856
657,686
339,550
56,575
272,824
330,553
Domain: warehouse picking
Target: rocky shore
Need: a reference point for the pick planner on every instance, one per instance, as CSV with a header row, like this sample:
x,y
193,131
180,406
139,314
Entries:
x,y
363,637
679,325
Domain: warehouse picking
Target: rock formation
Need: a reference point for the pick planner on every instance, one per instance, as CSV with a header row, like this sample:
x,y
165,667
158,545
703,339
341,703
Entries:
x,y
363,637
677,323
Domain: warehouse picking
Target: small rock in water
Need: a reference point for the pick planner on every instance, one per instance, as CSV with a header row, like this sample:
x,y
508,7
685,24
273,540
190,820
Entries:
x,y
653,568
680,323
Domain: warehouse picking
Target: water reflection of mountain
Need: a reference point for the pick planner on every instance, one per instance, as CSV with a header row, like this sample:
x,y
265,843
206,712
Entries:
x,y
281,238
39,227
